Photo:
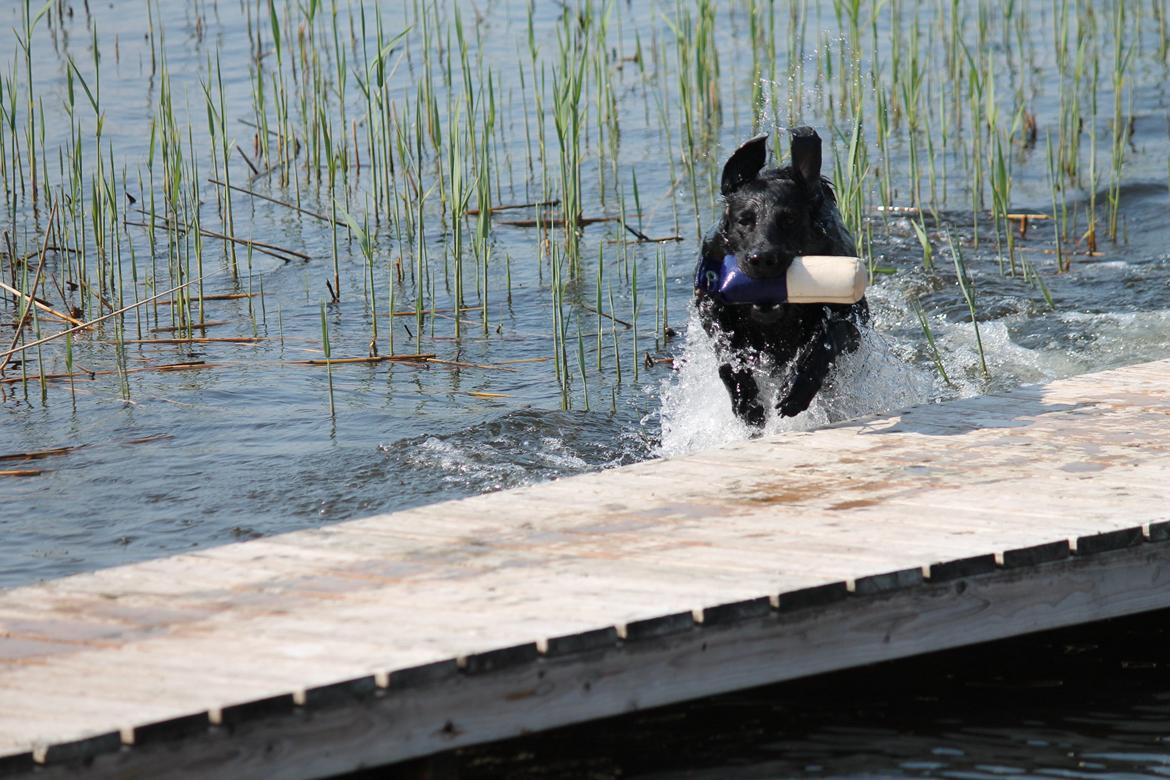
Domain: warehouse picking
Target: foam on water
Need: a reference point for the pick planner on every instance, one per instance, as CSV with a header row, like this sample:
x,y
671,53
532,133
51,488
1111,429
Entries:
x,y
515,449
1117,338
457,462
1008,363
462,460
1071,343
696,410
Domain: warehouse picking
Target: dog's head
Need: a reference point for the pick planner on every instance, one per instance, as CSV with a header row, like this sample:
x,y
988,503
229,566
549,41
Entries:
x,y
774,216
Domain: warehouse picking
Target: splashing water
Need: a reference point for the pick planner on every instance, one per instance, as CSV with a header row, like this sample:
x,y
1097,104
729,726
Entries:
x,y
696,410
518,448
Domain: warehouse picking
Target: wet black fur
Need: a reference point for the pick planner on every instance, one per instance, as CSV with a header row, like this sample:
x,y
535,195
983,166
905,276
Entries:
x,y
772,216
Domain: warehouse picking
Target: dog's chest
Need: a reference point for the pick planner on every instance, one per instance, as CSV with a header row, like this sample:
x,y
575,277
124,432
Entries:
x,y
776,331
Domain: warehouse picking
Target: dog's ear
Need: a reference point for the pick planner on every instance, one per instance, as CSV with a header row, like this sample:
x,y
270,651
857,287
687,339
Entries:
x,y
806,155
744,163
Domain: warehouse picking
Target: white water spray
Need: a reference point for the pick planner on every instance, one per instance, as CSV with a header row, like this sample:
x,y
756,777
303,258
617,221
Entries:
x,y
696,409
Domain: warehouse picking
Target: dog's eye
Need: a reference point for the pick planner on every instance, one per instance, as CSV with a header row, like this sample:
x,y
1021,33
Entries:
x,y
747,219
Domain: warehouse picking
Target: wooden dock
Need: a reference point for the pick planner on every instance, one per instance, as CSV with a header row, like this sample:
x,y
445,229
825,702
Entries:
x,y
398,636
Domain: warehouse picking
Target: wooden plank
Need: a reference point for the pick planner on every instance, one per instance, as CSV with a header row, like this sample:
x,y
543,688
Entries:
x,y
519,699
324,634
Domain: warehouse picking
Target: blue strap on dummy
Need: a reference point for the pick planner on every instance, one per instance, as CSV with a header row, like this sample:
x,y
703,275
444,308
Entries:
x,y
724,281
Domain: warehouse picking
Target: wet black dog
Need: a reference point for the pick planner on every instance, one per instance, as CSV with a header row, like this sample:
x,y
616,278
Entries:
x,y
771,217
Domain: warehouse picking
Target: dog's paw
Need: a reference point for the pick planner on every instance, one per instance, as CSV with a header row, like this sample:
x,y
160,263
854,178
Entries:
x,y
751,413
844,335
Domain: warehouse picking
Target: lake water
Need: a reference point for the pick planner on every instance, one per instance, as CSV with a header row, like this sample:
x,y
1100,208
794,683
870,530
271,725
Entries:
x,y
163,461
1091,703
242,442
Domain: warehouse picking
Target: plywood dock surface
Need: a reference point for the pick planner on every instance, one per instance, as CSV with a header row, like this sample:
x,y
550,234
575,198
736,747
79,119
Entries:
x,y
396,636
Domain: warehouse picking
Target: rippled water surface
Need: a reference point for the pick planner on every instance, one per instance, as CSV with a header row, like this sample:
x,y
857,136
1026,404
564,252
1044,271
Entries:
x,y
243,443
138,462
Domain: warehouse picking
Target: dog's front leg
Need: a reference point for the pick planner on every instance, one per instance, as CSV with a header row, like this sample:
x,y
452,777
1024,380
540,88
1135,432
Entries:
x,y
744,391
833,337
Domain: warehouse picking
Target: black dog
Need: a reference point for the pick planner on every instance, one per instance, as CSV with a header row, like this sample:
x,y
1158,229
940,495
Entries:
x,y
772,217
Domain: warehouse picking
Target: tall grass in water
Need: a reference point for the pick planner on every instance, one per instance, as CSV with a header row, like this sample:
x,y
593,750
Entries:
x,y
568,84
967,287
426,131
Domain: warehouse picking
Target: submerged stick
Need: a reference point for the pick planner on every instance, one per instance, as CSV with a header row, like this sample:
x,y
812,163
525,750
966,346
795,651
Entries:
x,y
513,361
200,340
88,376
40,305
38,454
662,240
637,233
513,207
31,255
461,364
556,222
413,313
32,293
284,203
95,293
194,326
588,308
188,366
91,323
412,358
255,170
215,297
91,376
279,252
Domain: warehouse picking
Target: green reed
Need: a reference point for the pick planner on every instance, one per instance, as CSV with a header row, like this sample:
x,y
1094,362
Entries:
x,y
967,288
401,128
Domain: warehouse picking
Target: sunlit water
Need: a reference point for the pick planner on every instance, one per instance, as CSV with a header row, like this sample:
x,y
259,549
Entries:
x,y
166,462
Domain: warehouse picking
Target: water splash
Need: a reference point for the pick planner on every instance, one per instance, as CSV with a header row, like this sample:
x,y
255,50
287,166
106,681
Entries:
x,y
696,410
515,449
